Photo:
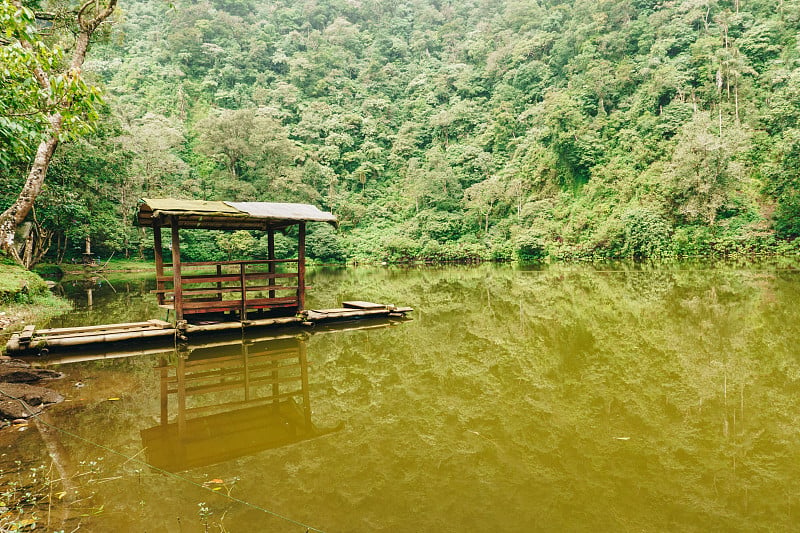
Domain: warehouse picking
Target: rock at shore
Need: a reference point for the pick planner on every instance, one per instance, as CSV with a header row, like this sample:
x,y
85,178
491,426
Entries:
x,y
20,399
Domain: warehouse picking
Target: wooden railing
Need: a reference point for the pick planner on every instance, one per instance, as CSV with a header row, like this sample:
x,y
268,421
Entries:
x,y
222,286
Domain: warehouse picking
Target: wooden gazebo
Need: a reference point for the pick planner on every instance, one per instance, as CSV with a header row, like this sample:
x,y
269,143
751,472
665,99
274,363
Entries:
x,y
235,287
218,294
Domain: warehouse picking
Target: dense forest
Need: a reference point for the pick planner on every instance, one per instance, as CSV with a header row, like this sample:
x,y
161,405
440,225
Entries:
x,y
437,129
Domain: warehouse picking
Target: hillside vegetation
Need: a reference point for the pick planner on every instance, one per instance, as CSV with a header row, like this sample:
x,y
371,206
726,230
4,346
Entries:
x,y
446,129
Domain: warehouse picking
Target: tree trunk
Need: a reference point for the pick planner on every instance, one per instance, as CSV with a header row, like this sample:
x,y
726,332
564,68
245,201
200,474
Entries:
x,y
18,211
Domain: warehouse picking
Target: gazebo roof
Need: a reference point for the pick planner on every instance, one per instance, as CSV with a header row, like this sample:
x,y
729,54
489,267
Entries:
x,y
201,214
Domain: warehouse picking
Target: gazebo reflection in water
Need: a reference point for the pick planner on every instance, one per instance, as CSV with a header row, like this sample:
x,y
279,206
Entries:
x,y
222,401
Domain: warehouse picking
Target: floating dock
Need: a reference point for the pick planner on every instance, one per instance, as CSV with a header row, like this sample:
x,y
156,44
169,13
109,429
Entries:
x,y
32,341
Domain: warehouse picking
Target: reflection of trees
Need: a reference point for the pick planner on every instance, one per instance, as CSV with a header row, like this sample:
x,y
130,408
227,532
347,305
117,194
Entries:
x,y
618,389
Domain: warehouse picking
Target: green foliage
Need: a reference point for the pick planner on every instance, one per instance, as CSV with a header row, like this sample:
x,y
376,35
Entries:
x,y
285,247
324,245
428,144
531,246
787,217
400,248
25,103
646,234
236,245
200,245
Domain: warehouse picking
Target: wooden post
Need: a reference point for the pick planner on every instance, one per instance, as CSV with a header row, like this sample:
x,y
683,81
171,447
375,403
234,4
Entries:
x,y
159,256
219,283
87,254
176,270
243,278
271,257
301,267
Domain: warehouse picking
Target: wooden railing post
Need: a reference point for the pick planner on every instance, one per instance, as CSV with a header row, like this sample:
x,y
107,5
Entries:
x,y
219,283
176,270
158,252
271,258
243,278
301,267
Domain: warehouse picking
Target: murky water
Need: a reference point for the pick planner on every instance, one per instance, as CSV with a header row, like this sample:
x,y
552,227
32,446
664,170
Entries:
x,y
570,398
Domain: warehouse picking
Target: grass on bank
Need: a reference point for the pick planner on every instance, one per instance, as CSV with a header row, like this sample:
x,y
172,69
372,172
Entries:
x,y
25,298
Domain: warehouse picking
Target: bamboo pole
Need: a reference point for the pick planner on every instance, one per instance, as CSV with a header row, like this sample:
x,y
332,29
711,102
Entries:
x,y
223,326
105,327
333,314
246,363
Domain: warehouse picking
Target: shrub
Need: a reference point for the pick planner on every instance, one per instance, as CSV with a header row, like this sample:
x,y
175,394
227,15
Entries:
x,y
688,241
531,246
645,234
199,245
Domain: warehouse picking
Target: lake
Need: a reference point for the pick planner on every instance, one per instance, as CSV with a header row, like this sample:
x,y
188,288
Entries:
x,y
613,397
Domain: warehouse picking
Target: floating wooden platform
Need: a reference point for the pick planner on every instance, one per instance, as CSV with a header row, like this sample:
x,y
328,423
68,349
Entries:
x,y
41,341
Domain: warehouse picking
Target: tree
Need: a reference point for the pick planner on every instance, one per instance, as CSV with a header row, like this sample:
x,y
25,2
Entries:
x,y
483,196
247,142
65,104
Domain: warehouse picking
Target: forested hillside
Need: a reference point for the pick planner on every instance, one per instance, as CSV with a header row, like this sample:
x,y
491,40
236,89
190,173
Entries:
x,y
445,129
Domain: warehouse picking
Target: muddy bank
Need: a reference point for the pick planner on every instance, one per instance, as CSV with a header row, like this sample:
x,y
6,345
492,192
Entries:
x,y
23,392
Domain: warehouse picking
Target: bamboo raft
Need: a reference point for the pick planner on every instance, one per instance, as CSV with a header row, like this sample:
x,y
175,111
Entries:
x,y
42,341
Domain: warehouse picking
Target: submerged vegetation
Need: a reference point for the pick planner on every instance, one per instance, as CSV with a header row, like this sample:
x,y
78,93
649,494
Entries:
x,y
443,130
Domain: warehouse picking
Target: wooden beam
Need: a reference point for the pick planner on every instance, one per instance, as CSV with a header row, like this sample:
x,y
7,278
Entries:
x,y
301,267
226,263
176,270
212,278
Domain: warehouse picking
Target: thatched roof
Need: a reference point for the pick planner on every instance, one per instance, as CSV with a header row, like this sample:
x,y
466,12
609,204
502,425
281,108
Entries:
x,y
201,214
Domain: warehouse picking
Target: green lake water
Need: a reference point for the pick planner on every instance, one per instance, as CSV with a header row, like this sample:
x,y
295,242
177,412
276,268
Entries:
x,y
610,397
